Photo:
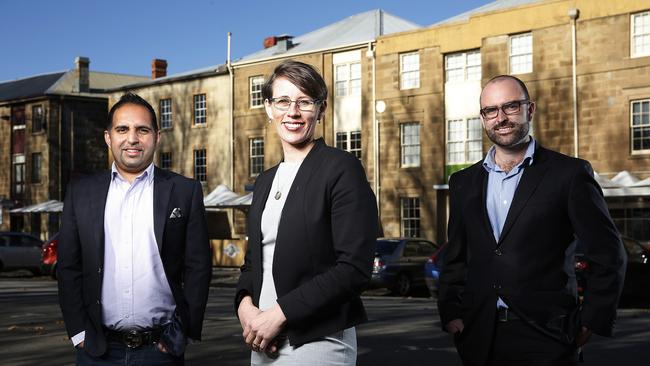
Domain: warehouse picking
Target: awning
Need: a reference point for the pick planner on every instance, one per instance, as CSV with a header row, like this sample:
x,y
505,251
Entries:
x,y
49,206
223,197
623,184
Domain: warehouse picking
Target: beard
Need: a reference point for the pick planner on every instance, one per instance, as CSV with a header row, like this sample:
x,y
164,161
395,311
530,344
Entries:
x,y
518,135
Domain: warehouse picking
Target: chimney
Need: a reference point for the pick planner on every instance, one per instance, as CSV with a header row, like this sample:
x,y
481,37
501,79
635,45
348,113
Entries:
x,y
284,42
269,42
82,74
158,68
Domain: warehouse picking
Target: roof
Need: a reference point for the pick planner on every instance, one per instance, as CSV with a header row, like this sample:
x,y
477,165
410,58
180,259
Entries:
x,y
62,83
186,75
356,29
493,6
28,87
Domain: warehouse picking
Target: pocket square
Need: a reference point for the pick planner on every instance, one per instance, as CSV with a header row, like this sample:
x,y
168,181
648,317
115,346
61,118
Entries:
x,y
176,213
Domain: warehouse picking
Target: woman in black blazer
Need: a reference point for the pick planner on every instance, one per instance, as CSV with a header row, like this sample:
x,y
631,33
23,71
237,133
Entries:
x,y
311,236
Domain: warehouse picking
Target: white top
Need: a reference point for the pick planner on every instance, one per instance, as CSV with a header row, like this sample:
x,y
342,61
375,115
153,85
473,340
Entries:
x,y
282,181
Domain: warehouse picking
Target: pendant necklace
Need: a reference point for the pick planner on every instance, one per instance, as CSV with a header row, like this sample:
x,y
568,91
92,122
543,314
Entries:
x,y
278,193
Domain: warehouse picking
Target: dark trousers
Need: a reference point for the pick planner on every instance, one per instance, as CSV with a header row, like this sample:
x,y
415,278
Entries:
x,y
119,354
517,343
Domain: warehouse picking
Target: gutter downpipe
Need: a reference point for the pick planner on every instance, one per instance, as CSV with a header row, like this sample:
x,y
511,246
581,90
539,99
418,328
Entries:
x,y
573,14
232,116
375,128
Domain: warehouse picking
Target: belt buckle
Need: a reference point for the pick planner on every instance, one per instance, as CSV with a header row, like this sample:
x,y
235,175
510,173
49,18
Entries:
x,y
133,339
503,314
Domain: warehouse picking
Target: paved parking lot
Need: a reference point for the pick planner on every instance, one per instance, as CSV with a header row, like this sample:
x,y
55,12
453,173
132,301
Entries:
x,y
401,331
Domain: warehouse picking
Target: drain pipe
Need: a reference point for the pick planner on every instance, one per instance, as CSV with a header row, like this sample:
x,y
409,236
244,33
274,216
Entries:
x,y
574,14
370,54
232,119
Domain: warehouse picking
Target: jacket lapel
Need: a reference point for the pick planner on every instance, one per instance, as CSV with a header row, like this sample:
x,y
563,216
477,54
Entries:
x,y
530,179
485,217
162,189
97,208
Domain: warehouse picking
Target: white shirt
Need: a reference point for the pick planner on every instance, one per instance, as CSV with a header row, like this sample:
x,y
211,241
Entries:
x,y
282,181
135,291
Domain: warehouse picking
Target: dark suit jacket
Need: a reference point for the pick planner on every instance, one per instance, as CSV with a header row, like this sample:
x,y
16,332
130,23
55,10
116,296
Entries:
x,y
531,266
325,244
183,244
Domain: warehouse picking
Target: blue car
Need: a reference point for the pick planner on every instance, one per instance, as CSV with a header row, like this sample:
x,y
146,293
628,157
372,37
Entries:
x,y
398,263
432,269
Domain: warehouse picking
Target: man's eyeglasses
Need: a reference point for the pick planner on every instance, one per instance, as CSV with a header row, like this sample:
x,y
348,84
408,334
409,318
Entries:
x,y
283,104
508,108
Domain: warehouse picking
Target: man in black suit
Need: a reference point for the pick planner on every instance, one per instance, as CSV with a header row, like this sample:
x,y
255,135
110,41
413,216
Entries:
x,y
507,290
134,261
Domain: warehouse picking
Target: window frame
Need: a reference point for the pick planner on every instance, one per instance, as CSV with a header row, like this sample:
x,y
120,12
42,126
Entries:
x,y
347,141
200,119
164,157
466,140
256,100
527,54
404,145
197,167
36,174
41,120
405,230
465,67
403,72
642,126
633,17
348,82
254,166
166,116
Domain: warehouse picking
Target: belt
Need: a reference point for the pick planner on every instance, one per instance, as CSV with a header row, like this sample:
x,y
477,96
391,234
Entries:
x,y
505,315
134,338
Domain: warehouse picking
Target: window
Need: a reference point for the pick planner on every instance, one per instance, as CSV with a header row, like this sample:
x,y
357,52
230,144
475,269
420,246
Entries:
x,y
256,163
410,144
463,66
350,142
347,79
18,163
640,125
199,109
464,141
36,167
166,160
521,53
256,83
165,113
641,34
410,216
200,166
409,68
38,119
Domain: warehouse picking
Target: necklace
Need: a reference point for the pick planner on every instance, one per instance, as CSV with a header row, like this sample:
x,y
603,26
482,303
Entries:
x,y
291,173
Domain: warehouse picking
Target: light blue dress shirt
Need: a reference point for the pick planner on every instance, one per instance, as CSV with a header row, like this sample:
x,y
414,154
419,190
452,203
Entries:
x,y
501,190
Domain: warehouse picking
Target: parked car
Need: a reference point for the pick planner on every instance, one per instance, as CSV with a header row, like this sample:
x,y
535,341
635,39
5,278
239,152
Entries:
x,y
432,269
637,273
48,263
398,263
20,251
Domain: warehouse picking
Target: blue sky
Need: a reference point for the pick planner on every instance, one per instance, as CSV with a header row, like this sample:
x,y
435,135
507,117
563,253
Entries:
x,y
123,36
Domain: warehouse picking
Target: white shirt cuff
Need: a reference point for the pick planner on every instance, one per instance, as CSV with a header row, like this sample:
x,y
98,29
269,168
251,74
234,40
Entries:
x,y
78,338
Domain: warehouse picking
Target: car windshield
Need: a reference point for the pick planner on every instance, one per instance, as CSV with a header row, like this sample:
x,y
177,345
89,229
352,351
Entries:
x,y
385,247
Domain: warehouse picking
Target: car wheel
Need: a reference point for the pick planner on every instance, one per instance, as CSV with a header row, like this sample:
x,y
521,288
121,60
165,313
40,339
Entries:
x,y
403,285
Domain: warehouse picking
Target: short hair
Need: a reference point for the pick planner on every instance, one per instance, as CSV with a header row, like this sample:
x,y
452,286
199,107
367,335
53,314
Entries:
x,y
521,84
132,98
302,75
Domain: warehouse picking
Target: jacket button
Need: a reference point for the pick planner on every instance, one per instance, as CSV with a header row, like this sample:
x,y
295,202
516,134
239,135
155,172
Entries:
x,y
496,287
498,252
99,270
98,302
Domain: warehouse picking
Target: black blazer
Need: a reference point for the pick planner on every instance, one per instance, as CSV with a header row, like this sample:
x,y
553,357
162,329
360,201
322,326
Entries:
x,y
531,266
325,244
183,244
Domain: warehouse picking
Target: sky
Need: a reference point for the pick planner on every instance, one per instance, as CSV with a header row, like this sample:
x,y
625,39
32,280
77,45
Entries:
x,y
123,36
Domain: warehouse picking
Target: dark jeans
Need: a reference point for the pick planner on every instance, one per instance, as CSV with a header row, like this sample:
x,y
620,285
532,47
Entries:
x,y
118,354
517,343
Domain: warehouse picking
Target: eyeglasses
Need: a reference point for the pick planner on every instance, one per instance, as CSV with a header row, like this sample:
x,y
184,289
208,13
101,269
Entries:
x,y
283,104
508,108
